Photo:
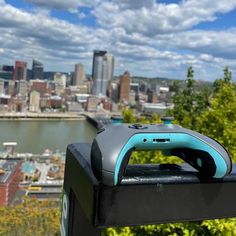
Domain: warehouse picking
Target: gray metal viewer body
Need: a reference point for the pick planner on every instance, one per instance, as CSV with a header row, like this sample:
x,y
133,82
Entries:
x,y
113,146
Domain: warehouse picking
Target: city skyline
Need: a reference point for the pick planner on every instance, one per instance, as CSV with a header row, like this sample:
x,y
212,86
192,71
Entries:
x,y
148,38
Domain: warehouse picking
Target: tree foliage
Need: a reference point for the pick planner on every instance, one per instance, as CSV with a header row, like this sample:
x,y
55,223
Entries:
x,y
31,217
219,122
188,102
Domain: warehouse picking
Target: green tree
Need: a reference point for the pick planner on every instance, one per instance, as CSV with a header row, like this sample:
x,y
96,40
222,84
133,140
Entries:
x,y
189,103
219,122
31,217
227,79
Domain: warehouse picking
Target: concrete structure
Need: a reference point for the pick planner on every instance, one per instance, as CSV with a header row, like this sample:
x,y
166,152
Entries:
x,y
134,87
20,72
23,88
5,99
10,177
38,85
45,102
74,107
102,73
9,148
79,75
34,105
159,108
56,102
17,103
114,92
2,90
132,97
37,70
82,98
92,103
110,65
11,87
152,96
125,81
60,83
164,94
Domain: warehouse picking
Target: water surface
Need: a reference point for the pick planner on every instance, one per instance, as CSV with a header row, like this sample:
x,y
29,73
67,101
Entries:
x,y
35,135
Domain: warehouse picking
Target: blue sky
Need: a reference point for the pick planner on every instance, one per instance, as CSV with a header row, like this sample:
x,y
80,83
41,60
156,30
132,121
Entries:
x,y
147,37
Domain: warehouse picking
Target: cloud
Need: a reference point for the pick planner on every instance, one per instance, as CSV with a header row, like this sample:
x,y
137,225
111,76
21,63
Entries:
x,y
147,38
150,18
55,4
216,43
64,4
26,35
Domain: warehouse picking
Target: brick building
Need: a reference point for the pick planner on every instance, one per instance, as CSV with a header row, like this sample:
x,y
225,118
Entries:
x,y
125,81
20,72
10,177
40,86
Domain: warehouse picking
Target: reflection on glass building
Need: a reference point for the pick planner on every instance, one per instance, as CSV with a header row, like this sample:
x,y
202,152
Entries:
x,y
37,70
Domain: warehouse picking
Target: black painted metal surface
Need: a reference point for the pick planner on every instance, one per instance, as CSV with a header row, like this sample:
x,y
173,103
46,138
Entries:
x,y
148,194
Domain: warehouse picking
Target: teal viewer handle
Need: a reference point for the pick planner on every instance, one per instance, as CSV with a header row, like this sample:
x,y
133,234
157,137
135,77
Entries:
x,y
168,141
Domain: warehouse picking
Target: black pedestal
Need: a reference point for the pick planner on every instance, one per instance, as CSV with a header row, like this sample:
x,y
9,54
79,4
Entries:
x,y
148,194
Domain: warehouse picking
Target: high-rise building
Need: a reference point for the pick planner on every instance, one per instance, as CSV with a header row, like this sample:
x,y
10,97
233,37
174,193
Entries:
x,y
37,70
79,75
102,73
23,88
6,72
34,105
12,87
2,90
111,63
125,81
20,72
60,83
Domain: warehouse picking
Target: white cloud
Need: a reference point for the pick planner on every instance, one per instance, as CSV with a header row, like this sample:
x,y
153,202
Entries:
x,y
34,35
82,15
216,43
57,4
64,4
145,37
153,18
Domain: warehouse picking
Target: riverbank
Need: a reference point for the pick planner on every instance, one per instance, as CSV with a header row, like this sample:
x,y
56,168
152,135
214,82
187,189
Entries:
x,y
42,116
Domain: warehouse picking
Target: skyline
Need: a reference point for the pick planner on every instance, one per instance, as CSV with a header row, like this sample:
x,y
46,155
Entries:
x,y
147,37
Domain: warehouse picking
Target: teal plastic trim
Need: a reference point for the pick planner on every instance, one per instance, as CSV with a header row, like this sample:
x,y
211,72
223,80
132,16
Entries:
x,y
167,122
165,141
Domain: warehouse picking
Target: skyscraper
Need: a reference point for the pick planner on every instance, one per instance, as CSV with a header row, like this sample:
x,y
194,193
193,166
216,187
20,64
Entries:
x,y
60,83
103,67
110,62
2,90
125,81
79,75
37,70
20,72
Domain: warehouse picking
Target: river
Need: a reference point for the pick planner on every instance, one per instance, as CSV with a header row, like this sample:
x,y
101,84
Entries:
x,y
35,136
